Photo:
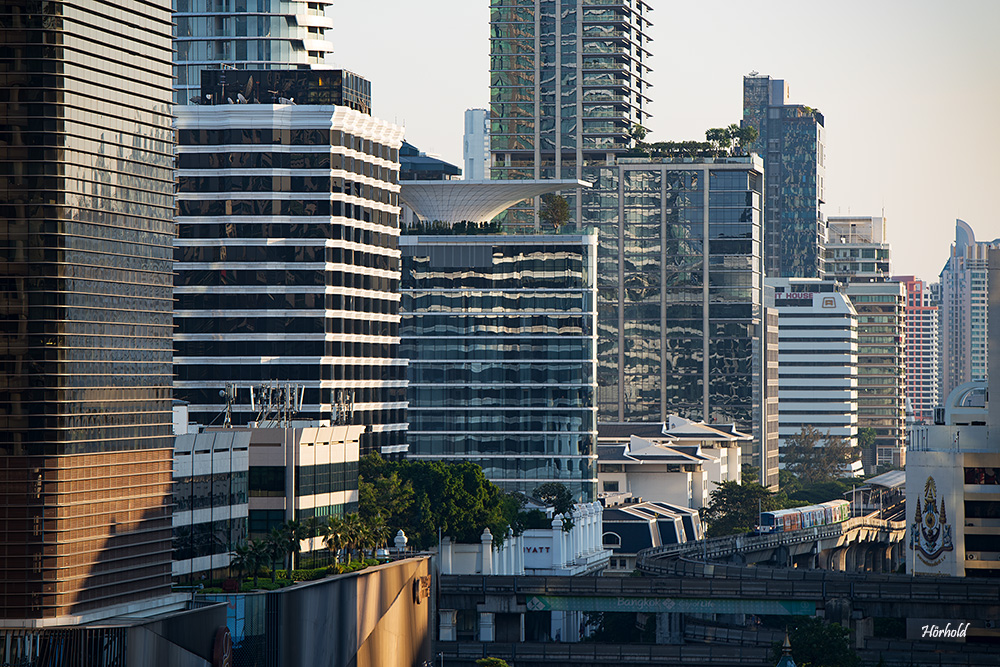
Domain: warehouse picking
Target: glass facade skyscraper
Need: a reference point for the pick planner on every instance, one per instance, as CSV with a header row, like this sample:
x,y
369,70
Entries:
x,y
501,337
246,34
288,265
86,152
791,139
567,87
679,277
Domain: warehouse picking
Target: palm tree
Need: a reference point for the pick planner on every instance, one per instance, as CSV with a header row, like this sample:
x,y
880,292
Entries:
x,y
241,559
380,530
291,535
352,533
333,536
255,556
275,543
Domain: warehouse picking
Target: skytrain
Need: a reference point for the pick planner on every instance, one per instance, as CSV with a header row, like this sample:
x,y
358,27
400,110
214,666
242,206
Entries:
x,y
784,521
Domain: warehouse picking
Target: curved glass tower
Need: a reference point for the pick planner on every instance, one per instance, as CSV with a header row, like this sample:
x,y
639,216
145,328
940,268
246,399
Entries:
x,y
246,34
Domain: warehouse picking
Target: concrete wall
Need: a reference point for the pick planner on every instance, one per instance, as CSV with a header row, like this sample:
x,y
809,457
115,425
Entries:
x,y
366,619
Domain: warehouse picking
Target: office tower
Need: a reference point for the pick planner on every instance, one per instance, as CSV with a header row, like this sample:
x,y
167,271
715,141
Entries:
x,y
246,34
790,138
857,249
86,149
962,310
500,333
920,348
476,145
568,88
287,268
680,309
881,369
818,357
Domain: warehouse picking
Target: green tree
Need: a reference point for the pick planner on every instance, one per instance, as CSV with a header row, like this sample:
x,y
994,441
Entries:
x,y
333,536
555,494
431,495
816,643
291,534
814,457
638,133
275,546
733,507
250,556
555,210
744,136
720,139
866,441
491,662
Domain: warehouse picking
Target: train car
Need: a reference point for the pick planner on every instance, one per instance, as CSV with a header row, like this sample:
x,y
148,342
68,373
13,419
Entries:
x,y
812,516
837,510
780,521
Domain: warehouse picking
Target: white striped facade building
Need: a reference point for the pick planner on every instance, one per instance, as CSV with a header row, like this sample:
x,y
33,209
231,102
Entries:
x,y
817,358
287,264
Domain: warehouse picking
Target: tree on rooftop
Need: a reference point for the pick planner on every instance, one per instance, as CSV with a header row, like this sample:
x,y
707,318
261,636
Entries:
x,y
555,210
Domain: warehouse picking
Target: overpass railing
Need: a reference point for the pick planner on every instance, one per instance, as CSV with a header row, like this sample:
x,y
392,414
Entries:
x,y
718,547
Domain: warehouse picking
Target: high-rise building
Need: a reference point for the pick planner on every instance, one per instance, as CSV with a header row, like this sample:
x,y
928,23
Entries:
x,y
86,149
476,144
246,34
568,88
881,369
791,139
921,348
818,356
953,471
287,265
680,309
500,333
962,310
857,249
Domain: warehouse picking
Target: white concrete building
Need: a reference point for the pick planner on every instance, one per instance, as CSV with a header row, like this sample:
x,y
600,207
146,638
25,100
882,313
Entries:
x,y
817,358
210,496
476,146
678,462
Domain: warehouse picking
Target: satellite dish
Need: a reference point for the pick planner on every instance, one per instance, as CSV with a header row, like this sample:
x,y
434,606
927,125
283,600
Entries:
x,y
240,98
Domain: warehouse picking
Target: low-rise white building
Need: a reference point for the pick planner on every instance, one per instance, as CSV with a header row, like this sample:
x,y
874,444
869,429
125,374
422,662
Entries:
x,y
678,462
558,550
210,496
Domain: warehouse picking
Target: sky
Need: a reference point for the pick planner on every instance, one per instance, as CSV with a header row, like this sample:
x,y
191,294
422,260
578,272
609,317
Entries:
x,y
910,93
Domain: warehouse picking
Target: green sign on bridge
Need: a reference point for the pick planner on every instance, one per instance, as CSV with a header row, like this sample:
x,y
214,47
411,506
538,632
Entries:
x,y
680,605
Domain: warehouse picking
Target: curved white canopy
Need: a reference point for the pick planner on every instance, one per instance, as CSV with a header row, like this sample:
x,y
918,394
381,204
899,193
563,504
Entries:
x,y
473,201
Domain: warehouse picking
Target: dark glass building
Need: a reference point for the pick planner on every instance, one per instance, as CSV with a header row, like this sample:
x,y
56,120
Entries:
x,y
500,333
681,317
86,220
288,266
567,87
791,139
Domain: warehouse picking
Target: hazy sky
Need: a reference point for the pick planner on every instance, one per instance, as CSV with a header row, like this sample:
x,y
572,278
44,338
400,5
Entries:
x,y
910,92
